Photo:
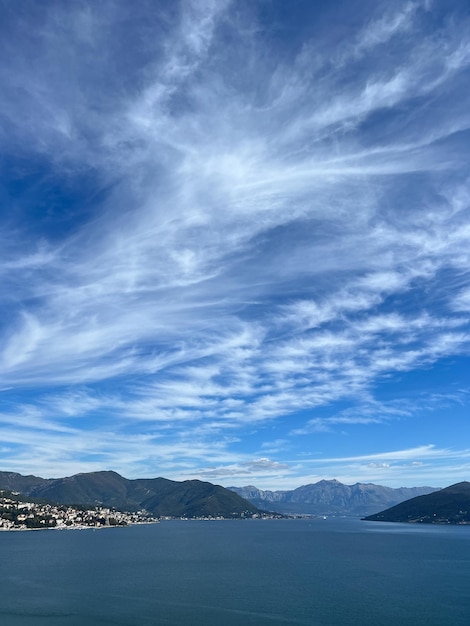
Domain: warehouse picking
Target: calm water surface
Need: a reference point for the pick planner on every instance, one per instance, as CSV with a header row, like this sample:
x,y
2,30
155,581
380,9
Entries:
x,y
319,573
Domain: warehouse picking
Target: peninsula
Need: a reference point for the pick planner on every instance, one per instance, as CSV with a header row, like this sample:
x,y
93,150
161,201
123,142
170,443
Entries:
x,y
446,506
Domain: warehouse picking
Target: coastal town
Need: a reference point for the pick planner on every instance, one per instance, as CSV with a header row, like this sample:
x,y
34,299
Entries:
x,y
18,514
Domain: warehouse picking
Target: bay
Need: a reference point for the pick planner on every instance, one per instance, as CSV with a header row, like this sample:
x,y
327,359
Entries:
x,y
312,572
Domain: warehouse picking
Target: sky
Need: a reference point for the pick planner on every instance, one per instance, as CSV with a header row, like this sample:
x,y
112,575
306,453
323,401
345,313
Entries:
x,y
235,240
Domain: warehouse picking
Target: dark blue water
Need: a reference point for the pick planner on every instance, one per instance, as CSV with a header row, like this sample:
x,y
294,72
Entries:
x,y
317,573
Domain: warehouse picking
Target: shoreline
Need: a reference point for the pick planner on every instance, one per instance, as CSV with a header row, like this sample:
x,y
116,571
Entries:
x,y
78,527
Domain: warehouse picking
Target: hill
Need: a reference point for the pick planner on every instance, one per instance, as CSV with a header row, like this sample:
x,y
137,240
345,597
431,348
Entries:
x,y
158,496
447,506
330,497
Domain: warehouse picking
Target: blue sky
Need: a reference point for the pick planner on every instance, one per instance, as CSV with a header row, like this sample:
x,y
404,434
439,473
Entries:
x,y
235,240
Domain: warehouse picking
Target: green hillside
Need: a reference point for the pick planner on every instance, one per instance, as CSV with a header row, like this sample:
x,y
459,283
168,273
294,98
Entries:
x,y
446,506
159,496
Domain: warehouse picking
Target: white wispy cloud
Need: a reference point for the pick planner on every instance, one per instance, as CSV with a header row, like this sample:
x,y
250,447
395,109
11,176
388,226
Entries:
x,y
381,30
242,471
255,243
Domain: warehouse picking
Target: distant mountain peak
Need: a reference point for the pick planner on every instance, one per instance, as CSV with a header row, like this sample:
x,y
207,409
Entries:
x,y
330,497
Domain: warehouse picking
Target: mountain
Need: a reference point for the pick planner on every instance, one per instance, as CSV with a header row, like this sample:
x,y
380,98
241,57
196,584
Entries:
x,y
330,497
159,496
447,506
11,481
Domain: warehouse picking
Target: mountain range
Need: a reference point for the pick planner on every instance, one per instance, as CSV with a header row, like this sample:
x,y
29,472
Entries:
x,y
446,506
330,497
159,496
193,498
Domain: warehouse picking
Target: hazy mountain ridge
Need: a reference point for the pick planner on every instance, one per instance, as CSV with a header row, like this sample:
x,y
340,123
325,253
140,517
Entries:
x,y
330,497
17,482
159,496
447,506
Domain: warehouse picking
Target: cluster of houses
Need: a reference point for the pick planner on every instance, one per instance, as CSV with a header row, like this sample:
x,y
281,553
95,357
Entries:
x,y
19,515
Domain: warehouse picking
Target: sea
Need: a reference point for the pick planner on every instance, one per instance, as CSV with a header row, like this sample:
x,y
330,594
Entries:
x,y
315,572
